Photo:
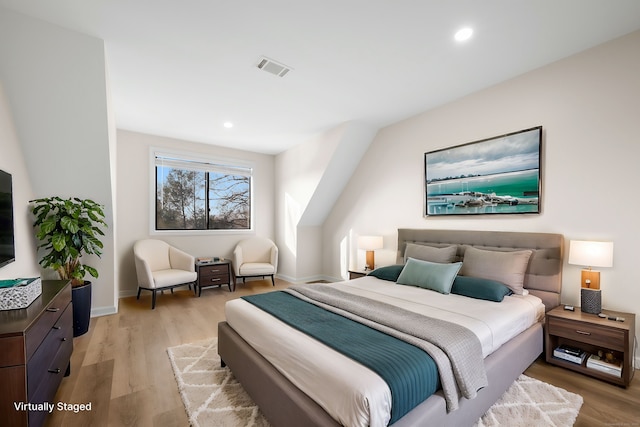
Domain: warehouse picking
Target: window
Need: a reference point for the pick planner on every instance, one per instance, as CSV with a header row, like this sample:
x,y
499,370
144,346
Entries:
x,y
196,194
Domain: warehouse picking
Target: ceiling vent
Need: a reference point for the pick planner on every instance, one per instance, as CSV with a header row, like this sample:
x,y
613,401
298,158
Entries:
x,y
273,67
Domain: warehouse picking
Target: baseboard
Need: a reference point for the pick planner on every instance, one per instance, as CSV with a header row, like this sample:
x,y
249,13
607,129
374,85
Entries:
x,y
128,293
103,311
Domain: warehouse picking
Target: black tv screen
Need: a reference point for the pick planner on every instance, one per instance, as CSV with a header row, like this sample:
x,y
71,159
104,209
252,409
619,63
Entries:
x,y
7,247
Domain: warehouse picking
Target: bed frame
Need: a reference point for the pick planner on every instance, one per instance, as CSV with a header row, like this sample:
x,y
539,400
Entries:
x,y
283,404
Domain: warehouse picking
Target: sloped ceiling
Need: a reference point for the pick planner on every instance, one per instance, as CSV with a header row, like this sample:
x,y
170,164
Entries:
x,y
182,69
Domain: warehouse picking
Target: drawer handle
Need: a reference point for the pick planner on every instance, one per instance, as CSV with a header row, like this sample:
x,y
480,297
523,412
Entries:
x,y
56,327
64,339
53,310
54,371
215,271
215,280
583,333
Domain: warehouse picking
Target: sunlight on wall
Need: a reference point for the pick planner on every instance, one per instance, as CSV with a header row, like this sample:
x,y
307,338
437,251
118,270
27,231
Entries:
x,y
344,257
292,217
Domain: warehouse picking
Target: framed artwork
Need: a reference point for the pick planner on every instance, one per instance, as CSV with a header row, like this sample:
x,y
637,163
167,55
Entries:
x,y
499,175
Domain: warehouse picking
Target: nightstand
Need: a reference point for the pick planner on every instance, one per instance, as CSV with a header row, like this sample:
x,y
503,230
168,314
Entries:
x,y
215,273
591,333
355,274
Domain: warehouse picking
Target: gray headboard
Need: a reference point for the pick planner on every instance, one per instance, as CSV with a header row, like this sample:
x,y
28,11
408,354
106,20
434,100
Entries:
x,y
543,277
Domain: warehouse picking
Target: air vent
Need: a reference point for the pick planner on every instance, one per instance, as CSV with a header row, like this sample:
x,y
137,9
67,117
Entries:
x,y
273,67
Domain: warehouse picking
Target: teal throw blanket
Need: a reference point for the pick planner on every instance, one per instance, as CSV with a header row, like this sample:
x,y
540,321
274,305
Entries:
x,y
410,372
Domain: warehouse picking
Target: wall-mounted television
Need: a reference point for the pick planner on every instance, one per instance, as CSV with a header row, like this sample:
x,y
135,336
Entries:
x,y
499,175
7,246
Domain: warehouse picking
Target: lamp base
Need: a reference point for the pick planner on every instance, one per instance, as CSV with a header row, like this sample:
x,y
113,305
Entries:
x,y
591,300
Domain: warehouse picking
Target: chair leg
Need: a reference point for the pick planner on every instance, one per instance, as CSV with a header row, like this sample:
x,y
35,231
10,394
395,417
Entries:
x,y
153,300
273,280
139,289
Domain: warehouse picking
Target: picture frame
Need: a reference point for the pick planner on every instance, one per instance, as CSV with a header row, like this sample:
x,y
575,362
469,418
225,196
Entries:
x,y
493,176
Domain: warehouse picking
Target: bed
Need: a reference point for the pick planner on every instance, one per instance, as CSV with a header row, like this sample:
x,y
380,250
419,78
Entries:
x,y
278,392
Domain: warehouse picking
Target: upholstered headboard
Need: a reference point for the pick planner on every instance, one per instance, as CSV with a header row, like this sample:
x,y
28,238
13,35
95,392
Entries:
x,y
543,277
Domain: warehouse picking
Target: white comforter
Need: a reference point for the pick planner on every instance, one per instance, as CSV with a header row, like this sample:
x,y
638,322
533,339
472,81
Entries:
x,y
351,393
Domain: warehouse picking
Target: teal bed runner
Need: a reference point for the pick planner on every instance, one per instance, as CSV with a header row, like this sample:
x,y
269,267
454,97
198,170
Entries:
x,y
410,373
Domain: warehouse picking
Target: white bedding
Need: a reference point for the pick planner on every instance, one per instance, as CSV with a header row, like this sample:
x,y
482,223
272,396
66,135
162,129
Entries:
x,y
351,393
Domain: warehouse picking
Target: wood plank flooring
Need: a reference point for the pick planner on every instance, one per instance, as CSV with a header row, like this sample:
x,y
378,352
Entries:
x,y
121,365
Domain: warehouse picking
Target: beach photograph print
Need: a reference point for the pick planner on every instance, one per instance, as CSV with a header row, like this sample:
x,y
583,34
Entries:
x,y
499,175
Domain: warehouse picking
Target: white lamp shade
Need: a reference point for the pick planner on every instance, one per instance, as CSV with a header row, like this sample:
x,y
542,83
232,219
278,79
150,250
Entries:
x,y
591,254
370,243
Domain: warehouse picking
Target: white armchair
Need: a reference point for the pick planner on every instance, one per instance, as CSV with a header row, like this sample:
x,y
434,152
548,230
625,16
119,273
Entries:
x,y
255,257
160,266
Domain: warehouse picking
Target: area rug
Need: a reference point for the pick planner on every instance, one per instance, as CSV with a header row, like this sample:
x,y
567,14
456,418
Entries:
x,y
213,397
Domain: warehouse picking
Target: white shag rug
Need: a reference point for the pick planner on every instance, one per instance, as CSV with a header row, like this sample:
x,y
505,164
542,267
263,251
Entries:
x,y
213,397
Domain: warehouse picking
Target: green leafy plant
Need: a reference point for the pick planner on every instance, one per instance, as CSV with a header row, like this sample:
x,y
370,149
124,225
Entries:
x,y
68,229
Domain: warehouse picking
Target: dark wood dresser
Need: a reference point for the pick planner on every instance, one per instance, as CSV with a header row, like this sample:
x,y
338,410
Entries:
x,y
35,351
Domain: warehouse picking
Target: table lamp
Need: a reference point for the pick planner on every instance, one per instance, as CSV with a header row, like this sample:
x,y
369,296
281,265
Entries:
x,y
370,244
590,254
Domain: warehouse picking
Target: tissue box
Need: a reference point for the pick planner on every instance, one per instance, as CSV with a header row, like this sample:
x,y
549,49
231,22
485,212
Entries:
x,y
20,294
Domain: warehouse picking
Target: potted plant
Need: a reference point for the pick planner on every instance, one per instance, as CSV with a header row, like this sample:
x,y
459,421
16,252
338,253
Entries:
x,y
69,229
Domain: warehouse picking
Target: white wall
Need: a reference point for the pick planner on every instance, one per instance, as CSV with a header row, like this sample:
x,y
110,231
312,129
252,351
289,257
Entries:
x,y
588,106
299,170
12,161
55,83
309,180
134,188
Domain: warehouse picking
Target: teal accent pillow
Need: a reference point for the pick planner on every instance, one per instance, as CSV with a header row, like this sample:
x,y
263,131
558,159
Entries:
x,y
429,275
390,272
476,287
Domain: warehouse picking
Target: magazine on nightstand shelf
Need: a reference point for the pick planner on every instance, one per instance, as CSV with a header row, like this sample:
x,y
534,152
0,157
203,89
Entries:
x,y
570,354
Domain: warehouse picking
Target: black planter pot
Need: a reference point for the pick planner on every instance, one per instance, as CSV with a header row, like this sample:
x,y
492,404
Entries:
x,y
81,299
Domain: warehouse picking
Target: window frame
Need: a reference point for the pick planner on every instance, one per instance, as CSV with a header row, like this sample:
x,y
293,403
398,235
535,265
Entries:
x,y
203,159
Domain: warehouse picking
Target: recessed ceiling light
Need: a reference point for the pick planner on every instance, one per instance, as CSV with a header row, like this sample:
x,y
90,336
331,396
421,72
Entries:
x,y
228,125
464,34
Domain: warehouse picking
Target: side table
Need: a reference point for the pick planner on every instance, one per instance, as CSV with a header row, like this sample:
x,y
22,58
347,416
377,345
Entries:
x,y
355,274
216,273
591,333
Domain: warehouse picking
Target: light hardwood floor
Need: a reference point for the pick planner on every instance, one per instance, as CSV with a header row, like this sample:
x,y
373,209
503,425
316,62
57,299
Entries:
x,y
121,366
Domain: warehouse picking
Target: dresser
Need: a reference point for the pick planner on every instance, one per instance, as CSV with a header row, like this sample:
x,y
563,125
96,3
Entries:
x,y
215,273
35,351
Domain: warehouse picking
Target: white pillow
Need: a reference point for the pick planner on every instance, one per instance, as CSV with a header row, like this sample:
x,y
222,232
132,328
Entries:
x,y
506,267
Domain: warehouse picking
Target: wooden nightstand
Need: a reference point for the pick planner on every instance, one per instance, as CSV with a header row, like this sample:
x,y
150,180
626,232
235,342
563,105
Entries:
x,y
215,273
355,274
591,333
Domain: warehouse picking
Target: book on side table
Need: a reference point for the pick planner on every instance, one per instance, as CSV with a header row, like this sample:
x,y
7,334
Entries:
x,y
612,366
570,354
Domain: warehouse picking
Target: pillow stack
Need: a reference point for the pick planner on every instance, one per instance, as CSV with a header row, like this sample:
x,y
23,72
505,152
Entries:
x,y
484,274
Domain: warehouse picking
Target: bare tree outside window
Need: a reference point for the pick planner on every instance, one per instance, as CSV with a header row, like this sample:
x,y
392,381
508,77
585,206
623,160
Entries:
x,y
189,199
229,197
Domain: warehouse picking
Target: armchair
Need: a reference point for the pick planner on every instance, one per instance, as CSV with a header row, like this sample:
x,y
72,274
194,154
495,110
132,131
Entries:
x,y
160,266
255,257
